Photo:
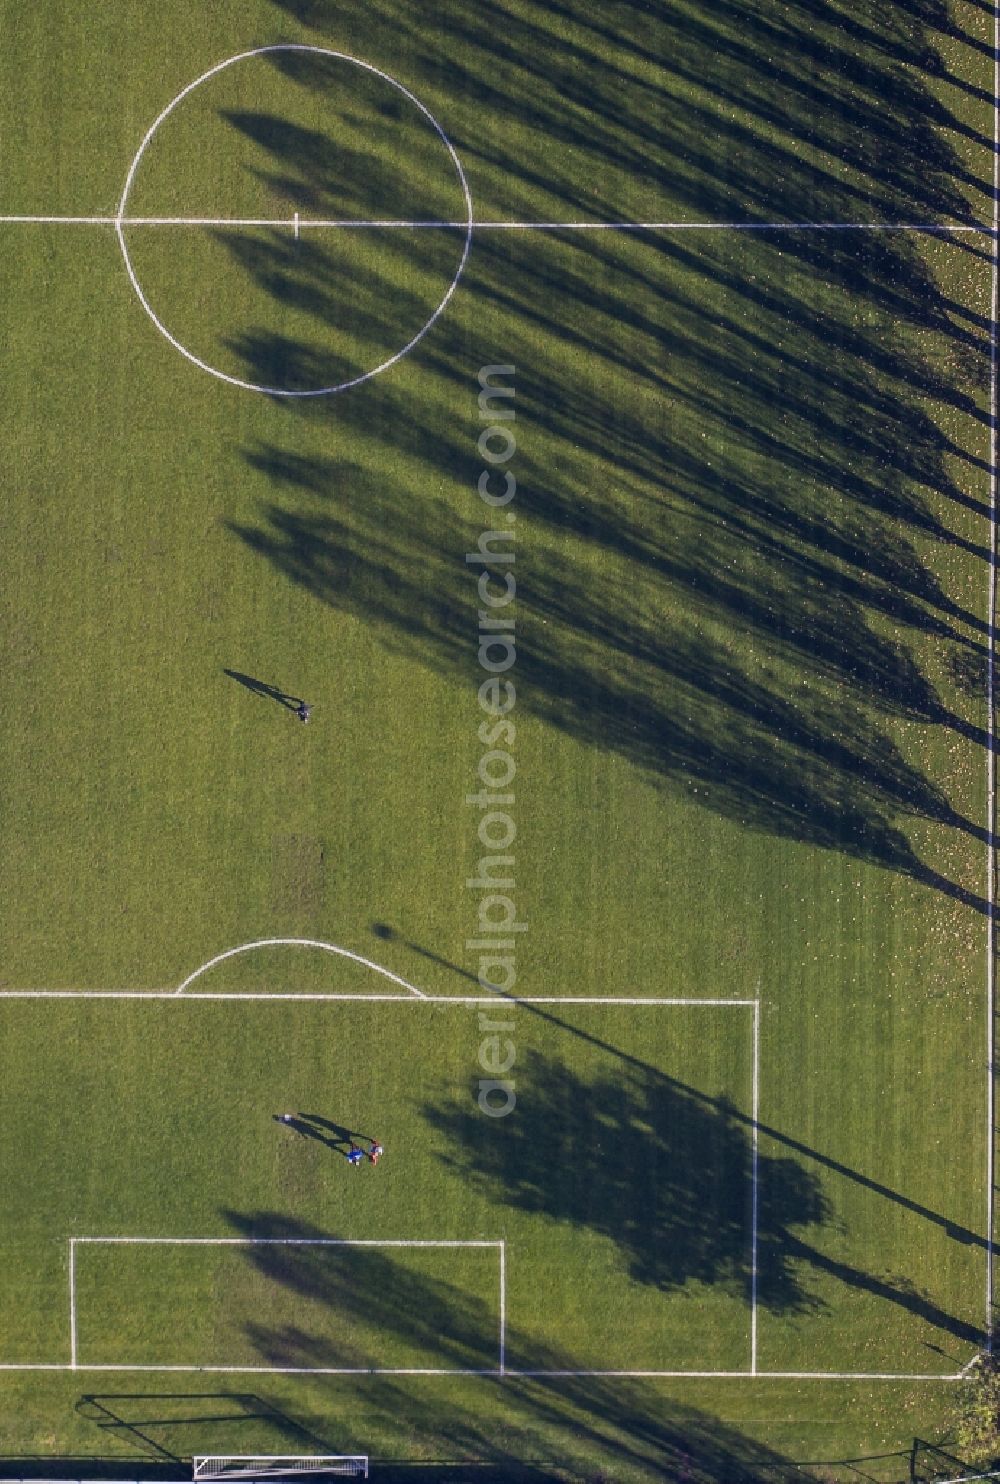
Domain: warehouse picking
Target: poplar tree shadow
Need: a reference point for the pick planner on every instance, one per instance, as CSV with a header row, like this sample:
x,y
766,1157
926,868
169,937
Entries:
x,y
261,688
388,934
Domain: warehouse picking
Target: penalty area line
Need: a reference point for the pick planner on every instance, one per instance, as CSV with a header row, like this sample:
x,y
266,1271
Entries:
x,y
281,1370
388,998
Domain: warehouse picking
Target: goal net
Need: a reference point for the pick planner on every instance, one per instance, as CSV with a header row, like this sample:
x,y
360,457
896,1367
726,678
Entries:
x,y
249,1467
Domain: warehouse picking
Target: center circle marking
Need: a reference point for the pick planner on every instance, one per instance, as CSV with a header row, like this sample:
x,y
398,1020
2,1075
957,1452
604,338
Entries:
x,y
253,386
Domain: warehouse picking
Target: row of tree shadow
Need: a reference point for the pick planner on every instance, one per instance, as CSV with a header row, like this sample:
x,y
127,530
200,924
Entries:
x,y
744,459
626,1426
801,112
745,462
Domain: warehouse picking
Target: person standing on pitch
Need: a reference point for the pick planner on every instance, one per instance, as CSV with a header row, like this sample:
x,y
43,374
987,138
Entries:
x,y
302,711
355,1155
375,1152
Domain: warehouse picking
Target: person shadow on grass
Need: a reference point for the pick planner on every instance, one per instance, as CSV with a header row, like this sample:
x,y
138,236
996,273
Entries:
x,y
272,692
313,1126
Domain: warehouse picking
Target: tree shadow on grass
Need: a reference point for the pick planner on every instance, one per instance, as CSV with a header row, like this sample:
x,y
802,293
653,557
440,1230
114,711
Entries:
x,y
567,1423
170,1426
665,1176
741,108
665,1173
801,753
550,1413
744,462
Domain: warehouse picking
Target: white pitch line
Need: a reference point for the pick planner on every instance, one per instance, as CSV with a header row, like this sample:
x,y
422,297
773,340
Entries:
x,y
971,1478
569,999
38,1365
284,1242
761,1375
492,1371
57,221
72,1304
297,223
991,813
291,1370
754,1160
503,1307
327,388
709,226
377,999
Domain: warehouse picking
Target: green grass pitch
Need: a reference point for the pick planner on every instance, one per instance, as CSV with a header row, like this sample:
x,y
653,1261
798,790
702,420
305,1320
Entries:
x,y
734,1218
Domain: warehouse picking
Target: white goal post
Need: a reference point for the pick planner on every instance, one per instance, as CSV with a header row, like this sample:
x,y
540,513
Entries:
x,y
249,1466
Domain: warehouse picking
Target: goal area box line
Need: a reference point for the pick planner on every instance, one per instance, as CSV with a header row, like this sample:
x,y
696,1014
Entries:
x,y
496,1245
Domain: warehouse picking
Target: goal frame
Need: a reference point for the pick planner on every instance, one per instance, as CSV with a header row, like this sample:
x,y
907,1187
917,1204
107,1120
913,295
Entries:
x,y
250,1466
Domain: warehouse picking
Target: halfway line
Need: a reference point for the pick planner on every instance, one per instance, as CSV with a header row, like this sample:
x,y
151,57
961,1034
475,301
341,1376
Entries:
x,y
298,224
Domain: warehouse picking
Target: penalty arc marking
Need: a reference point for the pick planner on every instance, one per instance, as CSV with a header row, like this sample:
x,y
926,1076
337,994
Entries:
x,y
319,943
